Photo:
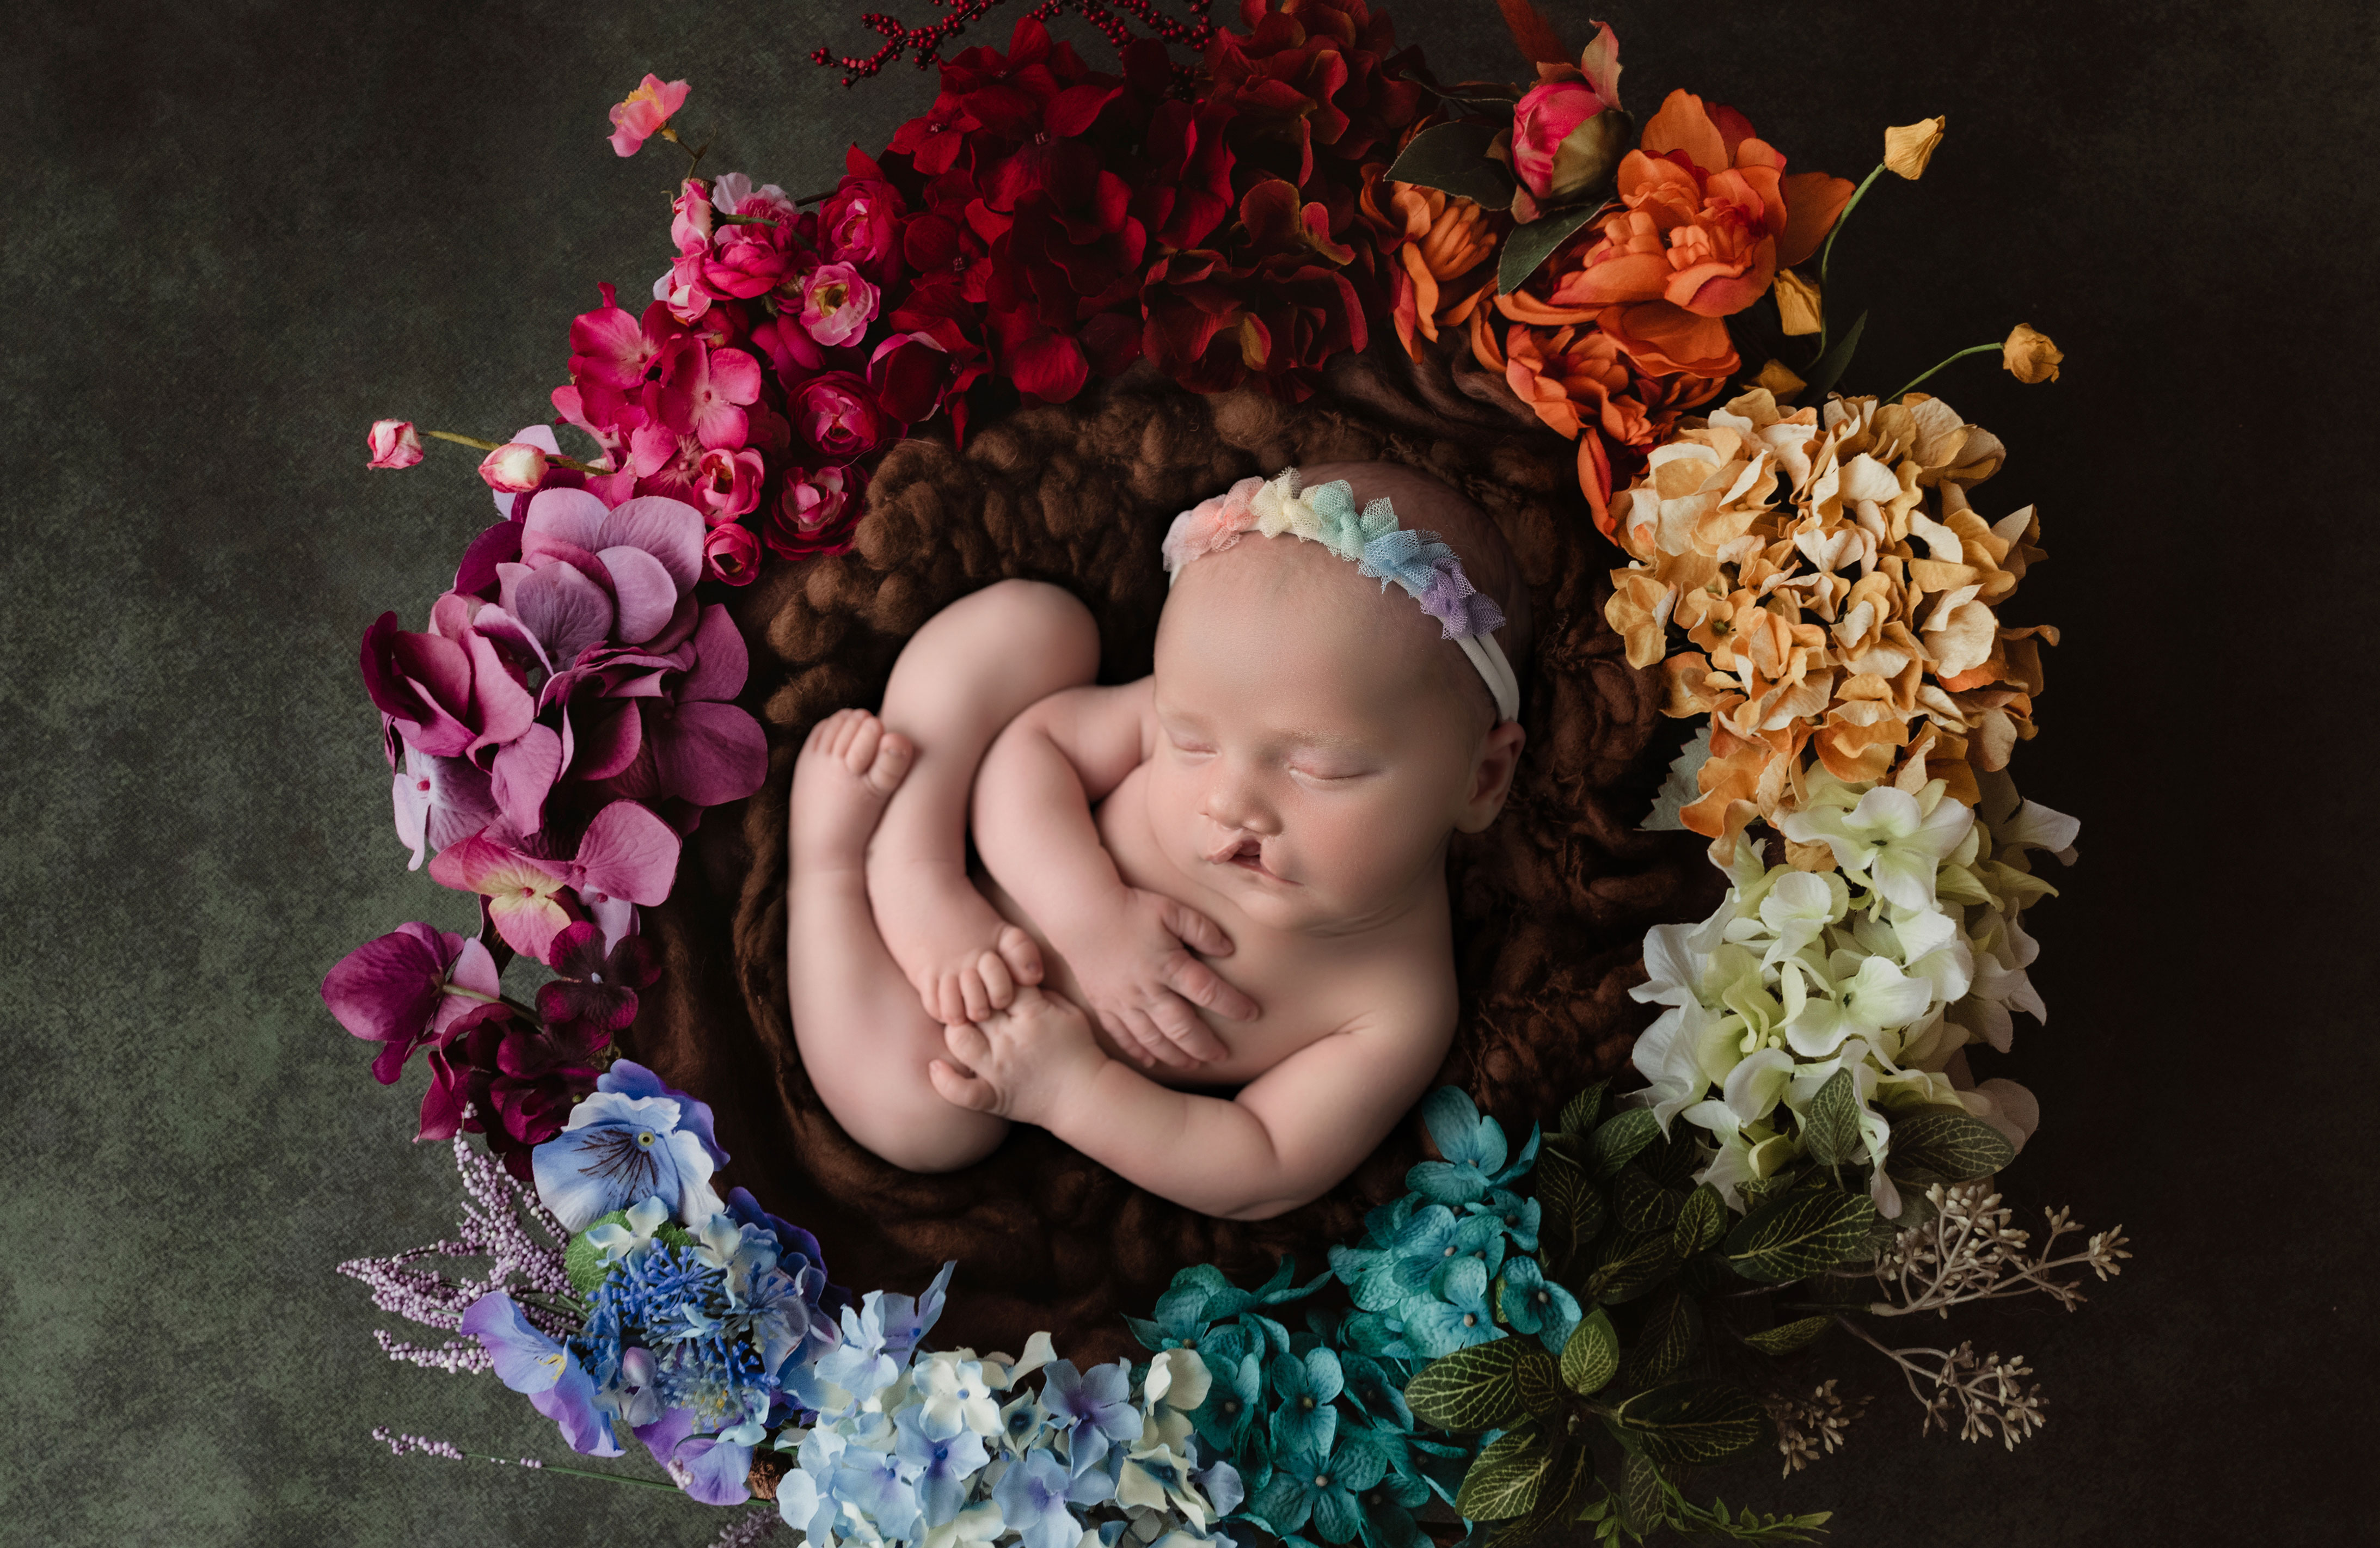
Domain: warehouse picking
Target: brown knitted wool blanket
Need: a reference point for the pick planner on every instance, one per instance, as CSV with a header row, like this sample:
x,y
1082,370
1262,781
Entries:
x,y
1551,904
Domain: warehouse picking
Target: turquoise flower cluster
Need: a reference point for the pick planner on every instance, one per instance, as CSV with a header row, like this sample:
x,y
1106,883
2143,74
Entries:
x,y
1314,1420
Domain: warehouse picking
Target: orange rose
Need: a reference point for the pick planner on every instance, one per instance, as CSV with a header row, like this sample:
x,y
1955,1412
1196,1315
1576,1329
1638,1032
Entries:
x,y
1581,382
1707,218
1433,238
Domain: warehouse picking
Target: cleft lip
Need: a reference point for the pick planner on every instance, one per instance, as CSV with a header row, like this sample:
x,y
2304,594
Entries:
x,y
1245,854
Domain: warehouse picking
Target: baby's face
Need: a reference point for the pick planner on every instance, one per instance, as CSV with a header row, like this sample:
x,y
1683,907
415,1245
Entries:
x,y
1315,749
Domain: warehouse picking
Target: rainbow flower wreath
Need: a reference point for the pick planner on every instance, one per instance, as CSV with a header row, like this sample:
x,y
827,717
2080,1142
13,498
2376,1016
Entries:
x,y
1558,1335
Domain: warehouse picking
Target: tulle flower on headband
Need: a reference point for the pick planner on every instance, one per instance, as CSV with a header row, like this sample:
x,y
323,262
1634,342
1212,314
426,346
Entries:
x,y
1419,561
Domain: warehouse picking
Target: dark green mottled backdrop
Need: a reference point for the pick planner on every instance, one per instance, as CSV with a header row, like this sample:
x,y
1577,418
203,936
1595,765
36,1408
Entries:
x,y
236,233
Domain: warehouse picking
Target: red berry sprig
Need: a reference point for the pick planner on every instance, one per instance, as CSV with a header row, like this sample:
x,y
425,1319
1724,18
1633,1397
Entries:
x,y
926,42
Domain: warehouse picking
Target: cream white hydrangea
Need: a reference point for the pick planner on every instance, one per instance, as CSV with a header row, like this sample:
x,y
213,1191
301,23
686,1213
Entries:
x,y
1891,942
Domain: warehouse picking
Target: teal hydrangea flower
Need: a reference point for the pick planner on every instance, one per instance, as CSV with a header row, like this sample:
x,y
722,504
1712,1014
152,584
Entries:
x,y
1475,1148
1458,1317
1305,1389
1320,1488
1532,1303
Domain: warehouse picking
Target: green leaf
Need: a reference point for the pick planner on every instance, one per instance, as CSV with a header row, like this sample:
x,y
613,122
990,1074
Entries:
x,y
1666,1341
1572,1210
1786,1338
1830,1130
1538,1376
1939,1145
1674,1162
1592,1354
582,1263
1583,1112
1645,1206
1636,1262
1644,1504
1454,157
1478,1389
1622,1136
1702,1222
1568,1477
1689,1423
1505,1480
1828,368
1530,245
1680,789
1799,1235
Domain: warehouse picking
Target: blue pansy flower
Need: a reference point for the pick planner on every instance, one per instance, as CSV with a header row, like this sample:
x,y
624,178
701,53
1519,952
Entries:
x,y
1457,1317
1305,1418
1531,1303
1032,1499
632,1138
539,1366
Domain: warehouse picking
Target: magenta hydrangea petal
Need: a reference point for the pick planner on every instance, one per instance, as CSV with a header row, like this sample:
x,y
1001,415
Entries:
x,y
572,515
627,853
711,753
557,603
524,774
643,590
502,706
609,733
671,530
722,659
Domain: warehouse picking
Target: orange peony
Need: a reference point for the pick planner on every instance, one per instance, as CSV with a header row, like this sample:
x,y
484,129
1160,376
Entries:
x,y
1708,217
1430,238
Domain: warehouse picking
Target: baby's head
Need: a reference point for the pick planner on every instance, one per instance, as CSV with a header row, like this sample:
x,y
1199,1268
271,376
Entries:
x,y
1322,737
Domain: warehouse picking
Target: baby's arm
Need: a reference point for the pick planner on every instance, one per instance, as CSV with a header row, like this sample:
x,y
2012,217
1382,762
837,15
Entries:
x,y
1287,1138
1032,822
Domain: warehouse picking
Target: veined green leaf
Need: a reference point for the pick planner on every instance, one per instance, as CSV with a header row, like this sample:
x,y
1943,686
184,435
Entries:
x,y
1939,1145
1799,1235
1786,1338
1591,1355
1830,1128
1621,1135
1478,1389
1702,1222
1506,1479
1689,1423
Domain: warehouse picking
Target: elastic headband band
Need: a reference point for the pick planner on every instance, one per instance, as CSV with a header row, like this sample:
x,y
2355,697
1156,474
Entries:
x,y
1419,561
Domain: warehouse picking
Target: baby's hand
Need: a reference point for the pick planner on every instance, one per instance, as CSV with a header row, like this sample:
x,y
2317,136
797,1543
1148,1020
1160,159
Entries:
x,y
1020,1063
1137,976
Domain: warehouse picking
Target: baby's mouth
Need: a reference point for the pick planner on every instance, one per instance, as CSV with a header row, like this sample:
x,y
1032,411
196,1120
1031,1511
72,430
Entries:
x,y
1248,855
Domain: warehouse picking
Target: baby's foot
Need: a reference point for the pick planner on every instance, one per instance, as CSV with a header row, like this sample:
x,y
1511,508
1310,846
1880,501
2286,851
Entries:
x,y
848,768
965,961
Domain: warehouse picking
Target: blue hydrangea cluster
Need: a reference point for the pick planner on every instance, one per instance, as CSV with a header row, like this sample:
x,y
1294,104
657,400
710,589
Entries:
x,y
1315,1419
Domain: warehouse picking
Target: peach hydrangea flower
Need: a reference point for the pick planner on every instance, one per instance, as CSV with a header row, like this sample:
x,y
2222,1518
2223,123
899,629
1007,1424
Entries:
x,y
1838,601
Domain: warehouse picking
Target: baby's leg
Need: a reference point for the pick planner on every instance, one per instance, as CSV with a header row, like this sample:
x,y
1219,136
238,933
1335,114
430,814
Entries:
x,y
959,680
862,1036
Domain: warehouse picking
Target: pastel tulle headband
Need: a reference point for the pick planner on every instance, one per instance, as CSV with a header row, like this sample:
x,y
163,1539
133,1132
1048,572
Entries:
x,y
1419,561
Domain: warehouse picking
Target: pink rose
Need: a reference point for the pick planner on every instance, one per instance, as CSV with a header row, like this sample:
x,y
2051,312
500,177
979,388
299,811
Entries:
x,y
395,443
516,467
731,554
861,225
837,303
729,483
646,111
690,215
816,512
838,416
1545,121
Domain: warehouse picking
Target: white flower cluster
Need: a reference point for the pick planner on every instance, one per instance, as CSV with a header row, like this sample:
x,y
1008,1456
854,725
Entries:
x,y
1891,943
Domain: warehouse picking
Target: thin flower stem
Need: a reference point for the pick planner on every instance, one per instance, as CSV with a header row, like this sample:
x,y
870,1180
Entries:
x,y
1925,375
478,445
1827,255
579,1472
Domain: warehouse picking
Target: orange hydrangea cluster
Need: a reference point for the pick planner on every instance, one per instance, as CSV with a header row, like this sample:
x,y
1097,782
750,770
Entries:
x,y
1849,627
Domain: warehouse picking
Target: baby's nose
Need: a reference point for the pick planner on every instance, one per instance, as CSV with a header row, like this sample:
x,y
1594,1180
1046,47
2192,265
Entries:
x,y
1235,802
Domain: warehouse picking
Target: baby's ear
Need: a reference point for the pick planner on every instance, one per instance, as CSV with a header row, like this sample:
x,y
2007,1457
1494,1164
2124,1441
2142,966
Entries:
x,y
1492,777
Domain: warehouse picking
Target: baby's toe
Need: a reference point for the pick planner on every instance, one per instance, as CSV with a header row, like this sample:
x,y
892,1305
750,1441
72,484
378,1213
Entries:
x,y
891,764
975,994
859,745
998,988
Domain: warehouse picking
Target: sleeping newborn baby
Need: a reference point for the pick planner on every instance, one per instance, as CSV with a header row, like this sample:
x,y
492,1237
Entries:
x,y
1229,873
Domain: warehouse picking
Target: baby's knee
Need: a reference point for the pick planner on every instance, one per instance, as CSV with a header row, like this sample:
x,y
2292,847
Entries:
x,y
1035,620
946,1141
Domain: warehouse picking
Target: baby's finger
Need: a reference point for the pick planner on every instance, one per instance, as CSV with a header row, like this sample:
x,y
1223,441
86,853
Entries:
x,y
969,1044
1201,985
1159,1043
974,1094
1186,1031
998,987
1195,929
973,992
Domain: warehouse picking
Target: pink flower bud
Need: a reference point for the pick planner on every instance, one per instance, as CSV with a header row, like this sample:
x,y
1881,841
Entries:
x,y
731,554
836,303
816,512
729,483
1541,121
516,467
395,443
641,116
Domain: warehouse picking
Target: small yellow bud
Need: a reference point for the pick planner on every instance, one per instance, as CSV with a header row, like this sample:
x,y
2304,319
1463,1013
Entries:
x,y
1908,148
2029,355
1778,378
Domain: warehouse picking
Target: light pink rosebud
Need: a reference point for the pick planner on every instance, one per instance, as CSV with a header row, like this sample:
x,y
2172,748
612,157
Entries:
x,y
648,108
395,443
729,483
1542,120
516,467
837,303
690,214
